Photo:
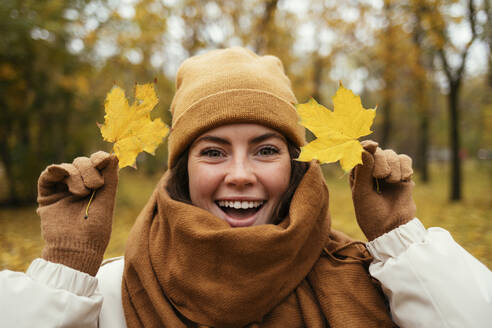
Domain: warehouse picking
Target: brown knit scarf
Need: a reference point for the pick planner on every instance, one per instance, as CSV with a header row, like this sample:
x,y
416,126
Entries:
x,y
184,267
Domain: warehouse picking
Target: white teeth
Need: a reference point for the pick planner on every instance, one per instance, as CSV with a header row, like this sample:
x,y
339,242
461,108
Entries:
x,y
240,204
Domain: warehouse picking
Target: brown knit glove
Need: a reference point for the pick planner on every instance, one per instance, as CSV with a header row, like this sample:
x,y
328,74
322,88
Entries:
x,y
64,191
382,205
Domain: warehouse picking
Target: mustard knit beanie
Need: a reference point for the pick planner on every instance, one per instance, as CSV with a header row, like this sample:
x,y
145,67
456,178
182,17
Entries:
x,y
231,86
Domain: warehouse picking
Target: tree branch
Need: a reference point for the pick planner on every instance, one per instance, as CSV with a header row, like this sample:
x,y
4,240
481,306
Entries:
x,y
270,8
445,64
471,18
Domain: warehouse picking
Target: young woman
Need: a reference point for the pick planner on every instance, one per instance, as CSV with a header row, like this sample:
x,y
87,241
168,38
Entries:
x,y
237,232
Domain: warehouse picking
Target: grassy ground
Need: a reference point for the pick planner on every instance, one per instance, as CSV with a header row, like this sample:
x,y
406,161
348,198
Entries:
x,y
469,221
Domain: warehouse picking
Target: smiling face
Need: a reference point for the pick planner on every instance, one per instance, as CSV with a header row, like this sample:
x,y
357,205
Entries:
x,y
239,173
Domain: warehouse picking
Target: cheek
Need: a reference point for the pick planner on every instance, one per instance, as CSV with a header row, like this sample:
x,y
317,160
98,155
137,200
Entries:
x,y
277,179
203,183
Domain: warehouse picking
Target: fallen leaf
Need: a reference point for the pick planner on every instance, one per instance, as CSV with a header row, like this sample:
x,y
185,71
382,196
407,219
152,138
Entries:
x,y
336,131
130,127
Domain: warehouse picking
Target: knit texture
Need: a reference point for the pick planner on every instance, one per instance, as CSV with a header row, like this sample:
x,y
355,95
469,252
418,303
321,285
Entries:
x,y
382,190
184,267
231,86
64,192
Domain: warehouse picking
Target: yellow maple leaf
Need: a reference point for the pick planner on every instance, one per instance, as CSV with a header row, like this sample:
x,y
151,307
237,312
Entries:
x,y
130,127
337,131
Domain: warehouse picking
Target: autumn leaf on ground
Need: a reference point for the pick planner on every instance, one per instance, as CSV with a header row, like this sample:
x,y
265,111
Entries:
x,y
336,131
130,127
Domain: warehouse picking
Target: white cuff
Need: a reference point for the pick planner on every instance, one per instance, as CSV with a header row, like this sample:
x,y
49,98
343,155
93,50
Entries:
x,y
397,241
59,276
429,280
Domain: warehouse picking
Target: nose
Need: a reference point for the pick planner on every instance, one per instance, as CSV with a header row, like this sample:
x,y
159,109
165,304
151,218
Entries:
x,y
240,173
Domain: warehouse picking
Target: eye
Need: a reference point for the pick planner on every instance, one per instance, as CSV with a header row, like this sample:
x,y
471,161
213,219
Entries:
x,y
268,151
211,153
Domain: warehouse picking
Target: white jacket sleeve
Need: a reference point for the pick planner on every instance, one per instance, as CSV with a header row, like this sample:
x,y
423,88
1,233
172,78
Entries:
x,y
48,295
430,280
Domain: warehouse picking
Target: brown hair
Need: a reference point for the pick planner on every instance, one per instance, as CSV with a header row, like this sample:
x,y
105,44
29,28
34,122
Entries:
x,y
178,187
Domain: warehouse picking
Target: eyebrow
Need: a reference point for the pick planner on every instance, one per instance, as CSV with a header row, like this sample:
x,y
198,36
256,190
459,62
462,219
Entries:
x,y
266,136
213,139
255,140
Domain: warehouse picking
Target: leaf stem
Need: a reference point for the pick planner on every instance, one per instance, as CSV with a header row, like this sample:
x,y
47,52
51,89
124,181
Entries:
x,y
378,190
89,204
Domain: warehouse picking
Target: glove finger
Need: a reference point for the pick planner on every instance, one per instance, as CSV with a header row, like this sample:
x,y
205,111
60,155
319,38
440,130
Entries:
x,y
74,181
361,175
381,167
90,175
100,159
405,167
103,202
48,179
394,163
52,174
369,145
110,172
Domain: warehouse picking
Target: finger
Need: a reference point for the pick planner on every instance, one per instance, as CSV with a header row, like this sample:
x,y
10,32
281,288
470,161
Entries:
x,y
106,195
48,179
369,145
100,159
110,172
52,174
405,167
74,181
394,163
381,166
106,163
361,175
91,177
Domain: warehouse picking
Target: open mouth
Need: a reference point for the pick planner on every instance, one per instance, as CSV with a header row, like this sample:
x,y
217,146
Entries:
x,y
237,209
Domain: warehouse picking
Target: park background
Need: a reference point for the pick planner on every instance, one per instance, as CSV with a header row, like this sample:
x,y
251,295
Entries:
x,y
425,64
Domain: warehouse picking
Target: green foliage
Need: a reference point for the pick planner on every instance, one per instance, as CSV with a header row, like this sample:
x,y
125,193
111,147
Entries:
x,y
469,222
40,82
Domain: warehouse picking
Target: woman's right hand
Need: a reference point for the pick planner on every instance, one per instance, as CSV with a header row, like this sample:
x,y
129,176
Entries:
x,y
382,190
64,191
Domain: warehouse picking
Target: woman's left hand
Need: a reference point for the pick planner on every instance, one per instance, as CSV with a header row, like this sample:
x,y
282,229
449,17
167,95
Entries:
x,y
382,190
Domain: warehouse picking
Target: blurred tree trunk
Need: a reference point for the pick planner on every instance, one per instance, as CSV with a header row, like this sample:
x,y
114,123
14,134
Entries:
x,y
488,40
454,135
454,82
386,108
420,86
268,15
422,162
6,159
423,151
454,77
388,74
317,78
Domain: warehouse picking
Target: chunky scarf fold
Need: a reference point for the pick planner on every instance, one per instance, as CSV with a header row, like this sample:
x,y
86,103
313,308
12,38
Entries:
x,y
184,267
